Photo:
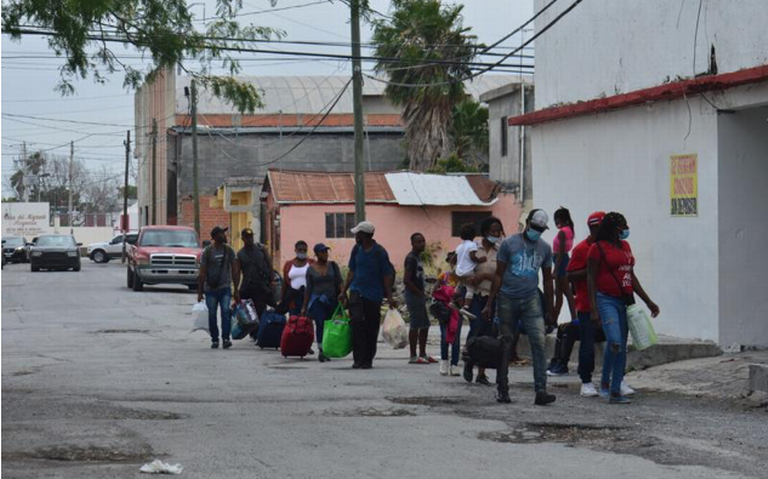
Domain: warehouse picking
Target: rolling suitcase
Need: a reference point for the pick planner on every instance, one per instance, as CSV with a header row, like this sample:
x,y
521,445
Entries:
x,y
270,329
298,336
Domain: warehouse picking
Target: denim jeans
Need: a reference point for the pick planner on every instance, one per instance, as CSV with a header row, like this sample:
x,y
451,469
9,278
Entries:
x,y
613,315
455,347
320,311
528,312
220,298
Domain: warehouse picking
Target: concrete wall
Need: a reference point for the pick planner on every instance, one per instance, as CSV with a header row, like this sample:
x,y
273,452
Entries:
x,y
250,155
743,176
605,47
394,226
620,162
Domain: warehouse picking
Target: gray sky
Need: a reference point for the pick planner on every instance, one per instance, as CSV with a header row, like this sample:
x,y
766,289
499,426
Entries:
x,y
28,81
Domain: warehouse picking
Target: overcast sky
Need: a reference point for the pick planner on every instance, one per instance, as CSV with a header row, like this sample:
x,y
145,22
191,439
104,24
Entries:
x,y
28,80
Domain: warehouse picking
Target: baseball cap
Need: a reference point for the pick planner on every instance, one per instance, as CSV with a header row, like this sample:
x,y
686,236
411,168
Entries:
x,y
246,232
538,219
596,218
320,247
218,229
364,227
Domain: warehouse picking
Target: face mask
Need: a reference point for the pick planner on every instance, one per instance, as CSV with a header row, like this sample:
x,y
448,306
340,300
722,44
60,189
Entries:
x,y
624,234
493,239
533,235
301,255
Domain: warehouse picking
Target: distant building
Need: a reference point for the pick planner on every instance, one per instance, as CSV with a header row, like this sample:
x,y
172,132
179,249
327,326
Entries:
x,y
317,207
235,145
659,112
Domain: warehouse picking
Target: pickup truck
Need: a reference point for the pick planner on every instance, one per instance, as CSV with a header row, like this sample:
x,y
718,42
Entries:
x,y
164,254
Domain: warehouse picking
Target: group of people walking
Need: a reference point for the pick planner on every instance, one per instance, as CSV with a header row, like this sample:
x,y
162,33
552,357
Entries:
x,y
498,281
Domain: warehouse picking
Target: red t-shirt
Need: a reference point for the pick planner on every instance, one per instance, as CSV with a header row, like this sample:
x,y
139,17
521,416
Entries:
x,y
617,261
578,262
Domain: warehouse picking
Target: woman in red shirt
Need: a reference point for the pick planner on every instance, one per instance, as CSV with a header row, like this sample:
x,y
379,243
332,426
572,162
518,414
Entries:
x,y
612,283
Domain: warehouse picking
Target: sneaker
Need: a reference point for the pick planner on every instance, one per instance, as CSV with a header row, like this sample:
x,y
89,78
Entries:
x,y
227,344
483,380
468,373
503,397
444,368
311,351
557,370
214,345
321,358
543,398
422,360
430,359
367,366
604,393
588,390
465,312
626,390
455,370
413,360
620,399
356,366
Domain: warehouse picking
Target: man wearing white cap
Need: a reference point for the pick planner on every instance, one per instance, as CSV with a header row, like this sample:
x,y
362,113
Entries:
x,y
369,281
518,262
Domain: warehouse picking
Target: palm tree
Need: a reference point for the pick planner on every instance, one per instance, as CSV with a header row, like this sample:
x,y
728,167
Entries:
x,y
420,31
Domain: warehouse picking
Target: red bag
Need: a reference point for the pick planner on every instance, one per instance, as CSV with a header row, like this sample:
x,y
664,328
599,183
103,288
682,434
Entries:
x,y
298,336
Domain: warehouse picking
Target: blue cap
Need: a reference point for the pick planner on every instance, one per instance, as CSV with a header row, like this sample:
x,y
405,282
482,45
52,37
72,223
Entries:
x,y
320,247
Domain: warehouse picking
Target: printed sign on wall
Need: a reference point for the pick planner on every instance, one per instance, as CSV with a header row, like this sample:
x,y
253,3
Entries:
x,y
25,219
684,185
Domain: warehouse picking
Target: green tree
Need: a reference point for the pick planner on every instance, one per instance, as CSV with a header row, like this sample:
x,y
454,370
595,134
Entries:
x,y
416,32
470,133
84,32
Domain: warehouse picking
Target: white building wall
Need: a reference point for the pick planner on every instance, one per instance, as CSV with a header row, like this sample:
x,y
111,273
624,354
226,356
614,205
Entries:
x,y
608,47
743,177
620,162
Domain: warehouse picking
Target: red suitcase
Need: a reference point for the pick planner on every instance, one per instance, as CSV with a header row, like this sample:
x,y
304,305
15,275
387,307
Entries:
x,y
298,336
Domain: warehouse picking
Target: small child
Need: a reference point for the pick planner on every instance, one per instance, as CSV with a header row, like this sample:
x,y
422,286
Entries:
x,y
467,260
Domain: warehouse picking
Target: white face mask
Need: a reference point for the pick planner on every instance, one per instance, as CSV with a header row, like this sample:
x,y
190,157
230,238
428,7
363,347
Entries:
x,y
493,239
301,255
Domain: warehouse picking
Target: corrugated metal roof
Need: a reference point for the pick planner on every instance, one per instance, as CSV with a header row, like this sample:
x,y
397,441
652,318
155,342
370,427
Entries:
x,y
421,189
314,187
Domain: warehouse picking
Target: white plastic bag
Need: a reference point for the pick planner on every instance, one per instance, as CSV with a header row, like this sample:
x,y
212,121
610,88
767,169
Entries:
x,y
159,467
641,328
395,331
200,317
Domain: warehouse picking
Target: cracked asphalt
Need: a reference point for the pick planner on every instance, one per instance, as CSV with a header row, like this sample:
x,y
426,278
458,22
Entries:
x,y
97,380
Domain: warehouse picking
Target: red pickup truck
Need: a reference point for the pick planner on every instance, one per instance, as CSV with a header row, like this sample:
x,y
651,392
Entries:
x,y
164,254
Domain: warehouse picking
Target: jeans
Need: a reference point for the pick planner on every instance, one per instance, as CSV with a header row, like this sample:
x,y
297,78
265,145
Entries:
x,y
455,347
365,317
528,312
320,311
613,315
219,298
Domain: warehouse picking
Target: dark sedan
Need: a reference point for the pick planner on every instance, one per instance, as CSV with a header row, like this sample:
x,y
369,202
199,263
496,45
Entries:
x,y
15,249
55,252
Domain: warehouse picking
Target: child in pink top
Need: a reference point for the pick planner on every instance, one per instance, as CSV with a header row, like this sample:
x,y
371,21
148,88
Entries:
x,y
561,246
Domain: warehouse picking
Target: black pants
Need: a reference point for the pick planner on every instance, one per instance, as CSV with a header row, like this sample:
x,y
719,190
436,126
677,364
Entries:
x,y
365,317
256,295
568,334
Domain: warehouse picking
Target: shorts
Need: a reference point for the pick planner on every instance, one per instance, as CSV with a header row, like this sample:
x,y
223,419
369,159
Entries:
x,y
417,310
561,271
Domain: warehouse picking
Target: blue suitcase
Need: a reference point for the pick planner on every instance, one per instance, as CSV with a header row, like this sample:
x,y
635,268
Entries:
x,y
270,329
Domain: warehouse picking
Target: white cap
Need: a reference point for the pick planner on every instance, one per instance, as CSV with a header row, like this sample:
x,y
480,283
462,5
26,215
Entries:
x,y
364,227
539,219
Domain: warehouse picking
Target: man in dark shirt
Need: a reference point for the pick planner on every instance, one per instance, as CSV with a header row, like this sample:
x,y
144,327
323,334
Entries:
x,y
256,267
416,300
369,280
218,271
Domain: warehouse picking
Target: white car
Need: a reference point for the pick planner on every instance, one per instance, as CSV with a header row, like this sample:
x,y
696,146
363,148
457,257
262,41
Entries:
x,y
103,252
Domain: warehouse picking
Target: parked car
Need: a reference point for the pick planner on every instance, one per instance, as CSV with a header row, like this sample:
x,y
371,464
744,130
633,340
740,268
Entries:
x,y
164,254
59,252
15,249
104,251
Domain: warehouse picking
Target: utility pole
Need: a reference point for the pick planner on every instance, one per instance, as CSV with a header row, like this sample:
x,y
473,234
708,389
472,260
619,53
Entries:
x,y
124,223
71,175
154,171
25,170
357,100
195,185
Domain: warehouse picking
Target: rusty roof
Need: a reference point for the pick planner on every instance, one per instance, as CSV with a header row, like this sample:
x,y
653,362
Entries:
x,y
319,187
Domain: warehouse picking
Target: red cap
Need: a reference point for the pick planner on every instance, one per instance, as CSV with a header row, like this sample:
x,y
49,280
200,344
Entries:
x,y
596,218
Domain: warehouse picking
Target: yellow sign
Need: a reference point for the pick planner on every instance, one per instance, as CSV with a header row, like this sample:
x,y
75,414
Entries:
x,y
684,185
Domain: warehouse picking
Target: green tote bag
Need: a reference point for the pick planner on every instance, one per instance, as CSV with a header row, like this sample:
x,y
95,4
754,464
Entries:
x,y
337,334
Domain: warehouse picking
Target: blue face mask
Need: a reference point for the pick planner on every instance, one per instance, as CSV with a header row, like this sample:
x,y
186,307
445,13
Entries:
x,y
533,235
493,239
301,256
624,234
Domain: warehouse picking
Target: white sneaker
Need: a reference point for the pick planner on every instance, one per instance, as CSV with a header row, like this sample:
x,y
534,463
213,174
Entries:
x,y
444,368
626,390
588,390
455,371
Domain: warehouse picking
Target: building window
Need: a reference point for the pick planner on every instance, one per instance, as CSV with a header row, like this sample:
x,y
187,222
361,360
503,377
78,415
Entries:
x,y
460,218
339,225
504,128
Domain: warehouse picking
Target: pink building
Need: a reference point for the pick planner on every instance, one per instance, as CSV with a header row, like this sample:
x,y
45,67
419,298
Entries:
x,y
319,207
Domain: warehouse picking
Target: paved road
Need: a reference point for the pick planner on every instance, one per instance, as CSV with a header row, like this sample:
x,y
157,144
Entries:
x,y
98,379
